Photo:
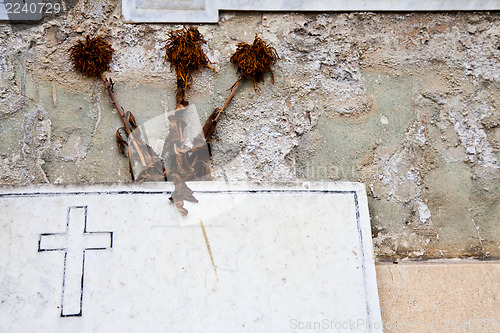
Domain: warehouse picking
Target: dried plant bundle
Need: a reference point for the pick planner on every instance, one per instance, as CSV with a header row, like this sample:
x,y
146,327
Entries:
x,y
252,62
185,162
91,56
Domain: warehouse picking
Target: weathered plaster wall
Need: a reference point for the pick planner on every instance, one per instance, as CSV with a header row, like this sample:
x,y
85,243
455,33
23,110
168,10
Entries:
x,y
406,103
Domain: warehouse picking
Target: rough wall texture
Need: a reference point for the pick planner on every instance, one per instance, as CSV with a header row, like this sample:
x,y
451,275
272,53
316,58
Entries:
x,y
406,103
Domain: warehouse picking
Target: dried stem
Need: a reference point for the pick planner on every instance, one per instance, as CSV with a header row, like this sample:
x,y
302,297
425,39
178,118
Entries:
x,y
109,88
211,122
233,91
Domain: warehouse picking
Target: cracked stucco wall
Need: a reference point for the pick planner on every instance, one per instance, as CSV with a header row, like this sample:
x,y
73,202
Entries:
x,y
406,103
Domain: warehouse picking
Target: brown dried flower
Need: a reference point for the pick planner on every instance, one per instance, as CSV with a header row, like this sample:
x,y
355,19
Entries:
x,y
91,56
185,54
253,61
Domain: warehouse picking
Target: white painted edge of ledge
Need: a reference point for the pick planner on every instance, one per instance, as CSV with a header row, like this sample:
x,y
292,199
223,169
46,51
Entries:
x,y
133,14
195,185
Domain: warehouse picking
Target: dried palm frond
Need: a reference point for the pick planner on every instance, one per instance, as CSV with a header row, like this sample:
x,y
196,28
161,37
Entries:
x,y
91,56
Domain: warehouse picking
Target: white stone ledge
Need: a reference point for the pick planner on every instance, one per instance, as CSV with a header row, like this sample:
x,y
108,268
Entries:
x,y
205,11
247,258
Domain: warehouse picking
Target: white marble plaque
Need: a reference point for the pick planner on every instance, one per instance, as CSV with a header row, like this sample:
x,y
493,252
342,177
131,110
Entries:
x,y
206,11
248,258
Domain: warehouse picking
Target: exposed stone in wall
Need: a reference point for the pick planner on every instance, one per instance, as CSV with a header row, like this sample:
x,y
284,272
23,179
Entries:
x,y
406,103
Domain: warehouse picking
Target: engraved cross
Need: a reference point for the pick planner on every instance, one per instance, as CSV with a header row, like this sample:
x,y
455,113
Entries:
x,y
74,242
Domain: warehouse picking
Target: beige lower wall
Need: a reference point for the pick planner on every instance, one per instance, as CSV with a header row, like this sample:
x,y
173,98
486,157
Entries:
x,y
440,296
